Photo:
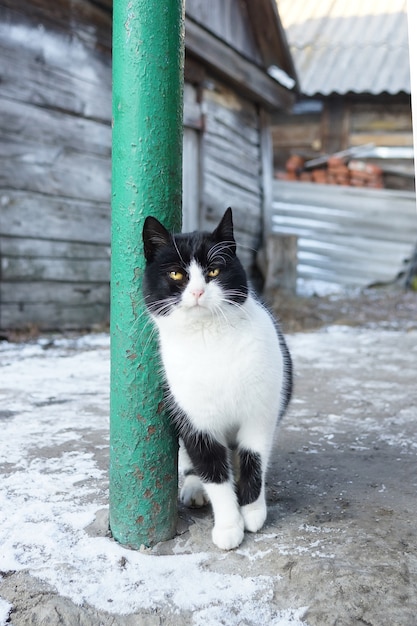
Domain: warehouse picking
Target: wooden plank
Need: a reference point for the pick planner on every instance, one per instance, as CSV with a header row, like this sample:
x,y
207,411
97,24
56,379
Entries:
x,y
194,71
75,80
35,215
224,106
266,164
51,292
375,117
223,151
53,316
295,134
281,263
335,126
191,175
230,173
75,18
47,248
217,132
220,194
54,170
21,122
381,139
228,63
46,268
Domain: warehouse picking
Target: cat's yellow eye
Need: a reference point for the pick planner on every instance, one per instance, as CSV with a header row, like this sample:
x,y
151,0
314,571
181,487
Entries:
x,y
176,275
213,273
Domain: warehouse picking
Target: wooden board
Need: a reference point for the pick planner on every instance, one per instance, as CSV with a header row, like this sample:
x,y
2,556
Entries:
x,y
38,216
45,293
54,315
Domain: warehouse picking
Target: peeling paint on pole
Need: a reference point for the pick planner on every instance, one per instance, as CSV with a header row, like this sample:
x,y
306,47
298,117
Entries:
x,y
148,45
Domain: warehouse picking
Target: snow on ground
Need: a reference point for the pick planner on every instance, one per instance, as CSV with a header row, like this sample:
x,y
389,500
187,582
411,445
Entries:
x,y
342,497
53,397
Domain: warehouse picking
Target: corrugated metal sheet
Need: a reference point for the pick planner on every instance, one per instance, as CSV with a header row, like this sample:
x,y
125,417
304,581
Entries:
x,y
346,236
342,46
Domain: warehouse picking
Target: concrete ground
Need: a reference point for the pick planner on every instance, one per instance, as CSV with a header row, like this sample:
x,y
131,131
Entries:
x,y
340,543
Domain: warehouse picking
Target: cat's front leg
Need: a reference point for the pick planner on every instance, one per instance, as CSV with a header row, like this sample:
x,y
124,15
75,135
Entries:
x,y
251,490
210,460
192,493
229,527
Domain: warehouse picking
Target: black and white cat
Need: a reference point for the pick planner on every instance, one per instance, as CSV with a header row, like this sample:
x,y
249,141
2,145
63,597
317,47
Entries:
x,y
227,367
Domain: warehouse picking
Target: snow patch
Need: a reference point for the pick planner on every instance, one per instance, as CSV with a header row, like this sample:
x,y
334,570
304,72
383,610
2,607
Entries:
x,y
53,396
5,608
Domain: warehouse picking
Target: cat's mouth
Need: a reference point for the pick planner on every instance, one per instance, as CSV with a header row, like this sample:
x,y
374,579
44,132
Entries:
x,y
197,308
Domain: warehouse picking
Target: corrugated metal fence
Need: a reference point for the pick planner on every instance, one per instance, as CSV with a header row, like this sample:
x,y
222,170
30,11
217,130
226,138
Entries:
x,y
346,236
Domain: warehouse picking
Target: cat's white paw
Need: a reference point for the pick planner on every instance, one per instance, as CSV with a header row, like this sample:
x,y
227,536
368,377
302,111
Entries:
x,y
192,493
228,537
254,515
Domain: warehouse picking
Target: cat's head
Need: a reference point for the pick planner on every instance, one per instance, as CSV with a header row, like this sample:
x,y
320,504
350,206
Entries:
x,y
196,273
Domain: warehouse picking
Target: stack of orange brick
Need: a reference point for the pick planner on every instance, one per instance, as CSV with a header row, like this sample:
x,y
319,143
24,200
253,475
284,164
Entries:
x,y
335,171
365,175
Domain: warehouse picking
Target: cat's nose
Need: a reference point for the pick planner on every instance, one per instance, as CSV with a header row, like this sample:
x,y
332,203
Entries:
x,y
197,293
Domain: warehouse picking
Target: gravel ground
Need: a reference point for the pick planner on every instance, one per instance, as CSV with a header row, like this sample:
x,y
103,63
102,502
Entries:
x,y
391,308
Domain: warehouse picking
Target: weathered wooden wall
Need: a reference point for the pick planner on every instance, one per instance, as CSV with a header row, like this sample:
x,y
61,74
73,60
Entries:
x,y
232,164
55,142
346,236
55,113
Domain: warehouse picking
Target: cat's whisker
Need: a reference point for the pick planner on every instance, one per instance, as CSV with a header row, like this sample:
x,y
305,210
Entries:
x,y
178,252
138,321
238,306
159,307
221,314
162,306
247,248
220,250
150,336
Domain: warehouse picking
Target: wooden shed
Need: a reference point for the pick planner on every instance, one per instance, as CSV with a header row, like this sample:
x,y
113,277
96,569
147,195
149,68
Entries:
x,y
55,141
352,62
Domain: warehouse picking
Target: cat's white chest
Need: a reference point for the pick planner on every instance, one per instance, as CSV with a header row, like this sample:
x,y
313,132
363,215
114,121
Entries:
x,y
221,372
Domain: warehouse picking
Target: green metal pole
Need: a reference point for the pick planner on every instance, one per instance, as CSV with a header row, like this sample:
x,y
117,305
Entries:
x,y
148,53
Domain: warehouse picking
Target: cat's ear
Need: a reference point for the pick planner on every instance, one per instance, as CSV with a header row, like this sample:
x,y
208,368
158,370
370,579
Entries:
x,y
224,231
155,236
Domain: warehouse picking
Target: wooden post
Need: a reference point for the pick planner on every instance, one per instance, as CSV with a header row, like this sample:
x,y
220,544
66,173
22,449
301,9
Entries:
x,y
281,263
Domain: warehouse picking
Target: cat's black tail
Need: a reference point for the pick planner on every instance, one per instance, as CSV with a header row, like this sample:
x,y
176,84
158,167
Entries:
x,y
287,381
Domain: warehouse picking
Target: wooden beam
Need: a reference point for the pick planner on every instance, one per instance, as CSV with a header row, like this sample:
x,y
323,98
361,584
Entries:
x,y
267,165
250,79
382,139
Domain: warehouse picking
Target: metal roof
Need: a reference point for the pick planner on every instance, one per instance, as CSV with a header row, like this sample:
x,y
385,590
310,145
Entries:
x,y
342,46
